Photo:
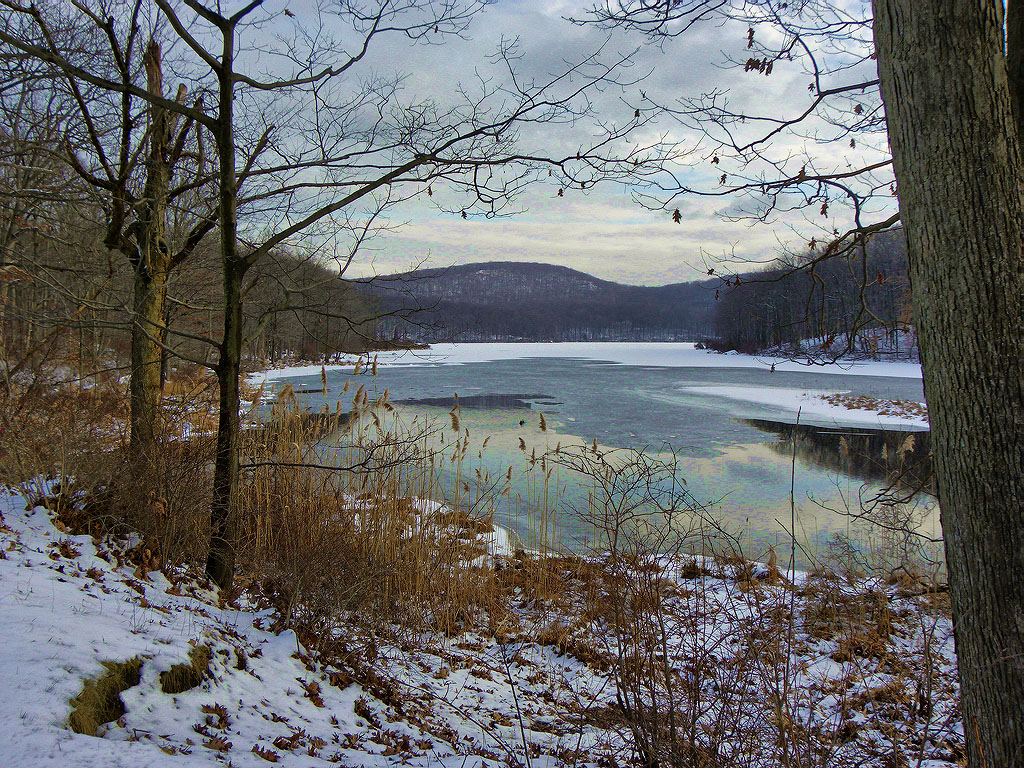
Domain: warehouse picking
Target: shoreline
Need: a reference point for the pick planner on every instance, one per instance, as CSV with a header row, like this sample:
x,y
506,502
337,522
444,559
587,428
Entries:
x,y
654,353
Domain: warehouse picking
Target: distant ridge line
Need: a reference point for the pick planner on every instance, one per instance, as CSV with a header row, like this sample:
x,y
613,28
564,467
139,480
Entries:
x,y
533,301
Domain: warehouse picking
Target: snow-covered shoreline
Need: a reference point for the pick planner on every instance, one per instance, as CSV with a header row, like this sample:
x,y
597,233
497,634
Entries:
x,y
820,406
656,354
71,603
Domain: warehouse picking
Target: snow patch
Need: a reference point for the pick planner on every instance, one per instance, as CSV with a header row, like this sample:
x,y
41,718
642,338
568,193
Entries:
x,y
815,405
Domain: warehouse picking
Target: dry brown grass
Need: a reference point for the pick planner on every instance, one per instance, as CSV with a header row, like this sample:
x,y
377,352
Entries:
x,y
100,699
860,622
329,545
185,677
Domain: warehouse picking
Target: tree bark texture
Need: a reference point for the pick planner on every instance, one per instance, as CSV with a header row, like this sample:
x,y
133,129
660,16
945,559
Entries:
x,y
148,297
957,159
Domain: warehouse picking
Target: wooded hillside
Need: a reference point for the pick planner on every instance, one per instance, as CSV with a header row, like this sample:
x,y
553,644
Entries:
x,y
520,301
780,304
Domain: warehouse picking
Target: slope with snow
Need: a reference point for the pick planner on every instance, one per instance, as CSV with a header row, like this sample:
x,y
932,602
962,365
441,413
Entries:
x,y
530,686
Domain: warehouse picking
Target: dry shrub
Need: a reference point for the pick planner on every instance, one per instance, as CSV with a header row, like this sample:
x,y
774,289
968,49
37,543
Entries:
x,y
53,431
716,673
78,436
163,506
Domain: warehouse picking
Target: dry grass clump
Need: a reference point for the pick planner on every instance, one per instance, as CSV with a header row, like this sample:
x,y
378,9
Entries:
x,y
689,568
185,677
822,606
574,639
100,699
188,382
189,403
860,622
902,408
549,582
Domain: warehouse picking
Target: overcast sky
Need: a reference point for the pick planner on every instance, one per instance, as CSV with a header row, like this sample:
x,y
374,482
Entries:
x,y
602,231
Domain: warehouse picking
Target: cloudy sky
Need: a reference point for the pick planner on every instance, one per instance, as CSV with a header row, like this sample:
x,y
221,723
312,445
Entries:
x,y
603,230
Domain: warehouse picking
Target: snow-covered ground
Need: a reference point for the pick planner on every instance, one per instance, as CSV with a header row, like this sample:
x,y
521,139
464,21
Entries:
x,y
827,406
66,607
534,688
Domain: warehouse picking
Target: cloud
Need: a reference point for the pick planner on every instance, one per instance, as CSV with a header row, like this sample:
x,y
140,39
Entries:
x,y
604,232
607,235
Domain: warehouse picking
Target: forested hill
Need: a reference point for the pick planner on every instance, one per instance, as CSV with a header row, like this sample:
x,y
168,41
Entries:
x,y
520,301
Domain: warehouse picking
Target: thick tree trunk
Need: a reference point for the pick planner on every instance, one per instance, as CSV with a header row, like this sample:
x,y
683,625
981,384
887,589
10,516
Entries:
x,y
151,264
957,159
1015,60
149,295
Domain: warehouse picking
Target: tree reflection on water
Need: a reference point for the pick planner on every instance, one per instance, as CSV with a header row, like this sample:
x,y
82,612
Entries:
x,y
895,458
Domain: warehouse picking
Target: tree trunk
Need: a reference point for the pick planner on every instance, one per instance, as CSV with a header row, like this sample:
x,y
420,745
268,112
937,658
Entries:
x,y
957,159
149,294
150,263
220,563
1015,60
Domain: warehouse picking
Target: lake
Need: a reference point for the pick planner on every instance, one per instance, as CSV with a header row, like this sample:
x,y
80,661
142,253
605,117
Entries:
x,y
729,423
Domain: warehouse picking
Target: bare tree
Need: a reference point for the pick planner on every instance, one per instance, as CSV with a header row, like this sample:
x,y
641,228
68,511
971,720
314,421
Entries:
x,y
820,167
31,187
132,152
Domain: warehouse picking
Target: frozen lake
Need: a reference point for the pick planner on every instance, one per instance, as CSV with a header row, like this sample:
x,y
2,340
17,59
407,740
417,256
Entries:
x,y
728,420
